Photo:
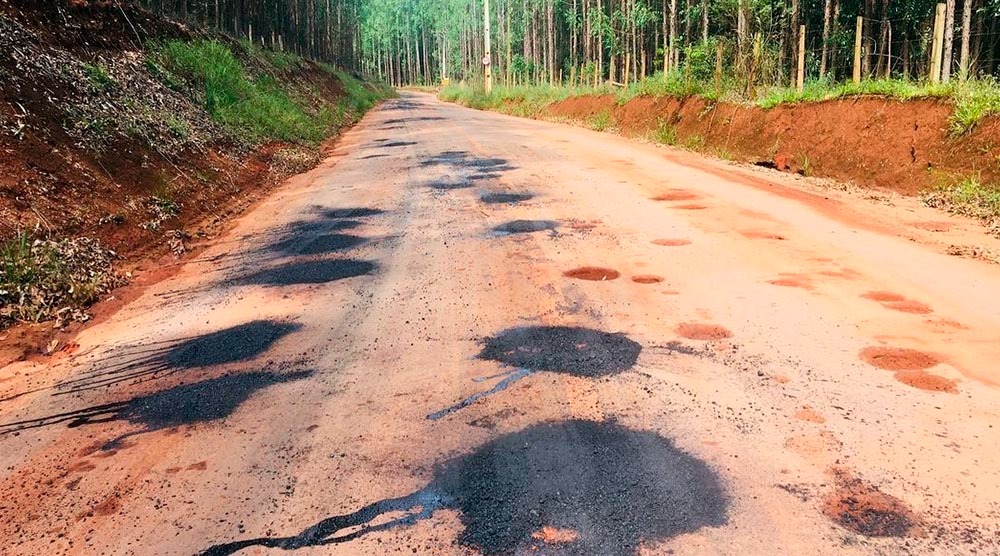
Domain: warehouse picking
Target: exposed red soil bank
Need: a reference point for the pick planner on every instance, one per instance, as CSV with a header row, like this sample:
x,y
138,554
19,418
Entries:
x,y
902,146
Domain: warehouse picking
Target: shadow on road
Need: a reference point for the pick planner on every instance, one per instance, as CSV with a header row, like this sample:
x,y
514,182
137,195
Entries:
x,y
570,487
186,404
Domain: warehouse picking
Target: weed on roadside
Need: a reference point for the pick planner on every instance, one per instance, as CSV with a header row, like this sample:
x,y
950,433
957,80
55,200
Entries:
x,y
665,133
44,279
968,196
601,121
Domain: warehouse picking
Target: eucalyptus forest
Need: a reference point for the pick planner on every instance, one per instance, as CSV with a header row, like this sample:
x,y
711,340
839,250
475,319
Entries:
x,y
592,41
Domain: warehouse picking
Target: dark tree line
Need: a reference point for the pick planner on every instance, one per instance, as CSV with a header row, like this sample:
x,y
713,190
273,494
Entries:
x,y
324,30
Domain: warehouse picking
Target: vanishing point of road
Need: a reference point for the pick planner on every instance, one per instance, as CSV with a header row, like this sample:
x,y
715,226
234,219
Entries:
x,y
467,333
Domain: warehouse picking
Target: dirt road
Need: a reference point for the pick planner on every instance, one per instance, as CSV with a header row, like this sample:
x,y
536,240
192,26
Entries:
x,y
472,334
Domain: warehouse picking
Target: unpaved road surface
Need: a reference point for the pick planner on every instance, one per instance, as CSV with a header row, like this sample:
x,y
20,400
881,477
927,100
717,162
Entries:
x,y
467,333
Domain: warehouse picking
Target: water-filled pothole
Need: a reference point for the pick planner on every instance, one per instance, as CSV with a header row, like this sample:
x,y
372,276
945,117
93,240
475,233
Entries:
x,y
593,273
647,279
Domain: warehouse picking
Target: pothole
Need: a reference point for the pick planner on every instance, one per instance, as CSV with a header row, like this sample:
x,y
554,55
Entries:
x,y
702,331
883,297
676,195
909,306
927,381
562,349
647,279
898,359
691,206
593,273
757,234
671,242
866,510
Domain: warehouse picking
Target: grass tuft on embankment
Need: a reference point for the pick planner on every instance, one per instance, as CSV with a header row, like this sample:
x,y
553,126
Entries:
x,y
973,100
261,107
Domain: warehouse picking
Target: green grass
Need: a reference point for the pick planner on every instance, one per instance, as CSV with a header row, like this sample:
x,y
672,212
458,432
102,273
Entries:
x,y
665,133
973,100
253,108
98,76
602,121
968,196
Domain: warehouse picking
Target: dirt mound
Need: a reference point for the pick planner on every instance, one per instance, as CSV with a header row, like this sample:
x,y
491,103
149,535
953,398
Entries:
x,y
901,146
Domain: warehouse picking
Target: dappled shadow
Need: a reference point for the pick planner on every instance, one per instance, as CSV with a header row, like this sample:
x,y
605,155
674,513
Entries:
x,y
186,404
603,488
317,244
346,212
140,363
392,144
505,198
307,272
395,121
371,156
469,166
576,351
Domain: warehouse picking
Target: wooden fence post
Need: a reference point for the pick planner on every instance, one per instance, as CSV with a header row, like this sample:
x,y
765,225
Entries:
x,y
857,49
937,47
801,76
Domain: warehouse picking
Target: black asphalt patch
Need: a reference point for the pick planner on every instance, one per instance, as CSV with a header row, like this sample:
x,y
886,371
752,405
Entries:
x,y
445,184
525,227
316,245
186,404
349,212
610,489
308,272
236,344
397,144
563,349
505,198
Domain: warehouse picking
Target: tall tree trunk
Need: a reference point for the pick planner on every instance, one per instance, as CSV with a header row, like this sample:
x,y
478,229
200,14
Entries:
x,y
704,21
824,52
963,61
949,40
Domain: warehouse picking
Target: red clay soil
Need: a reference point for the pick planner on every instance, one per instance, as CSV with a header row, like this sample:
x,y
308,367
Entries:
x,y
873,141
